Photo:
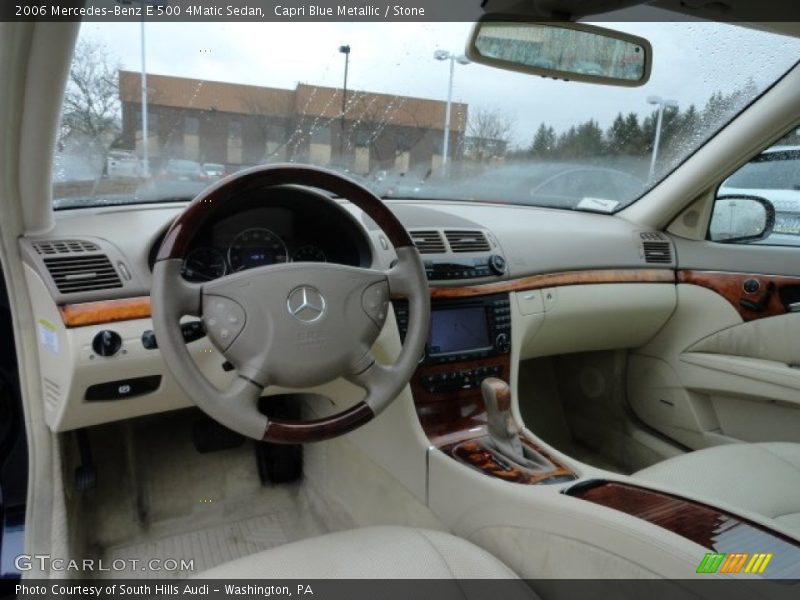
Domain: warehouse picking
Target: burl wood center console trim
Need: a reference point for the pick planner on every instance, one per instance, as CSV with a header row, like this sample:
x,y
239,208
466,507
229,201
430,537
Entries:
x,y
455,419
475,454
456,415
707,526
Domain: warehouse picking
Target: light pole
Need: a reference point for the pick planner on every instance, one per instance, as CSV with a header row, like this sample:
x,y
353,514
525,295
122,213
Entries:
x,y
453,58
143,83
662,104
145,131
345,49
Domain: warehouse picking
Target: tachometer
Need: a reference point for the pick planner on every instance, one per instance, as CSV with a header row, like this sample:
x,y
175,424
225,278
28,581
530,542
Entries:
x,y
255,248
203,264
309,254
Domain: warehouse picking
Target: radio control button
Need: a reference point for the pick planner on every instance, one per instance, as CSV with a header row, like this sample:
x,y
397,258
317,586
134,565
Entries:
x,y
502,343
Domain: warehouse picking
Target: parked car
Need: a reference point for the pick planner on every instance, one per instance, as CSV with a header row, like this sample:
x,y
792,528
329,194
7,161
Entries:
x,y
122,163
183,170
394,184
557,184
214,171
774,175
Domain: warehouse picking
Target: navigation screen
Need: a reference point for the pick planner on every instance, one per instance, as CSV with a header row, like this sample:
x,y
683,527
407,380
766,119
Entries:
x,y
458,330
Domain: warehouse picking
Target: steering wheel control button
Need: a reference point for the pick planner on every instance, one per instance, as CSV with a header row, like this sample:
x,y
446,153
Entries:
x,y
107,343
375,301
224,320
306,304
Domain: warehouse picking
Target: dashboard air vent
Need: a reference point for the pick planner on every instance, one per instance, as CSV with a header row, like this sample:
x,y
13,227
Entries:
x,y
656,248
64,247
428,241
467,241
73,274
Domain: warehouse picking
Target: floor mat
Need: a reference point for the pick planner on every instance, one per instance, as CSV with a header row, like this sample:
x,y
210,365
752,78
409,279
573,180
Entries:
x,y
204,547
159,498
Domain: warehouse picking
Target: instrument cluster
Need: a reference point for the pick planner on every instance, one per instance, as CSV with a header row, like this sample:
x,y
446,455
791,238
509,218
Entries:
x,y
252,247
294,227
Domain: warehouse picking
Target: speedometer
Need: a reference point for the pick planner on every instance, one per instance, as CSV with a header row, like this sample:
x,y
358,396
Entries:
x,y
256,247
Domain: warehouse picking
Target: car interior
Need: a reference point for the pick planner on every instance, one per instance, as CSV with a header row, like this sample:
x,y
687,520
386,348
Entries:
x,y
285,375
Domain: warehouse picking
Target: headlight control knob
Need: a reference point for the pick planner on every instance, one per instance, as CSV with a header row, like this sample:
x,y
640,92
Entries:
x,y
107,343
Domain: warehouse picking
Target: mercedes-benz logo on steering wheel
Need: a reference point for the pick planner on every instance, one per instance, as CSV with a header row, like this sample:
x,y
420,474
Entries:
x,y
306,304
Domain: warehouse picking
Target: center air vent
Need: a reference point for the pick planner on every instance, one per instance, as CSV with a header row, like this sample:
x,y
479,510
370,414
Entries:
x,y
428,241
82,273
467,241
64,247
656,248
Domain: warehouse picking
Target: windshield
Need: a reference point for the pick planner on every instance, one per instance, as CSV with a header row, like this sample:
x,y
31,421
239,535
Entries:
x,y
371,101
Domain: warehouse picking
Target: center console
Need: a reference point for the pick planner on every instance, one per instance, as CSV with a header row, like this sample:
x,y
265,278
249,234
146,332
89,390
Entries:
x,y
469,342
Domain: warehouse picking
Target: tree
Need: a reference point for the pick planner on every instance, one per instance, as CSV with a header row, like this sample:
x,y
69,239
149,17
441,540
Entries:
x,y
590,139
720,107
489,132
616,136
544,142
625,136
378,127
91,113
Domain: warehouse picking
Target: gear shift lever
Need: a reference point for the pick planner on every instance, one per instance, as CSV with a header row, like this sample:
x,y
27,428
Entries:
x,y
503,431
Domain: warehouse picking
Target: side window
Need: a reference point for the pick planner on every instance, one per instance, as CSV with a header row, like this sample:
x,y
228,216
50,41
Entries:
x,y
745,201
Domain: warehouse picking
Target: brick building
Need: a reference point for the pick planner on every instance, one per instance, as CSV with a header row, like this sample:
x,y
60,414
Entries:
x,y
216,122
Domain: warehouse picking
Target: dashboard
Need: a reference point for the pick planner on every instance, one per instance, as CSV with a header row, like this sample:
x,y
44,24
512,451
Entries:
x,y
89,281
292,225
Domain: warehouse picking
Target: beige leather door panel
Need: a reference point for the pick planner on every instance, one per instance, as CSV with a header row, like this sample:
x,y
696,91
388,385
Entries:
x,y
711,376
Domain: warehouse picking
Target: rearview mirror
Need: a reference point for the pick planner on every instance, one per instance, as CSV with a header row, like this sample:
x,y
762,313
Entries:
x,y
739,219
570,51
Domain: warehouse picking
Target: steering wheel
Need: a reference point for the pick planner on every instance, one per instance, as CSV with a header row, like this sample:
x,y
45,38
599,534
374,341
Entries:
x,y
294,325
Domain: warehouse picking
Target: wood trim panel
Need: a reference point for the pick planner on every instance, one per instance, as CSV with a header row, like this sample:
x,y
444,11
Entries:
x,y
475,454
708,526
105,311
317,430
547,280
124,309
458,415
731,287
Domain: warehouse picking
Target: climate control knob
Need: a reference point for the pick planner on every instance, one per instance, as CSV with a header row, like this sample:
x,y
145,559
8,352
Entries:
x,y
498,264
502,343
107,343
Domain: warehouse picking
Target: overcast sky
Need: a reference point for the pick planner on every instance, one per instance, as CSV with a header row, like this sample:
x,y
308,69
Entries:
x,y
691,60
